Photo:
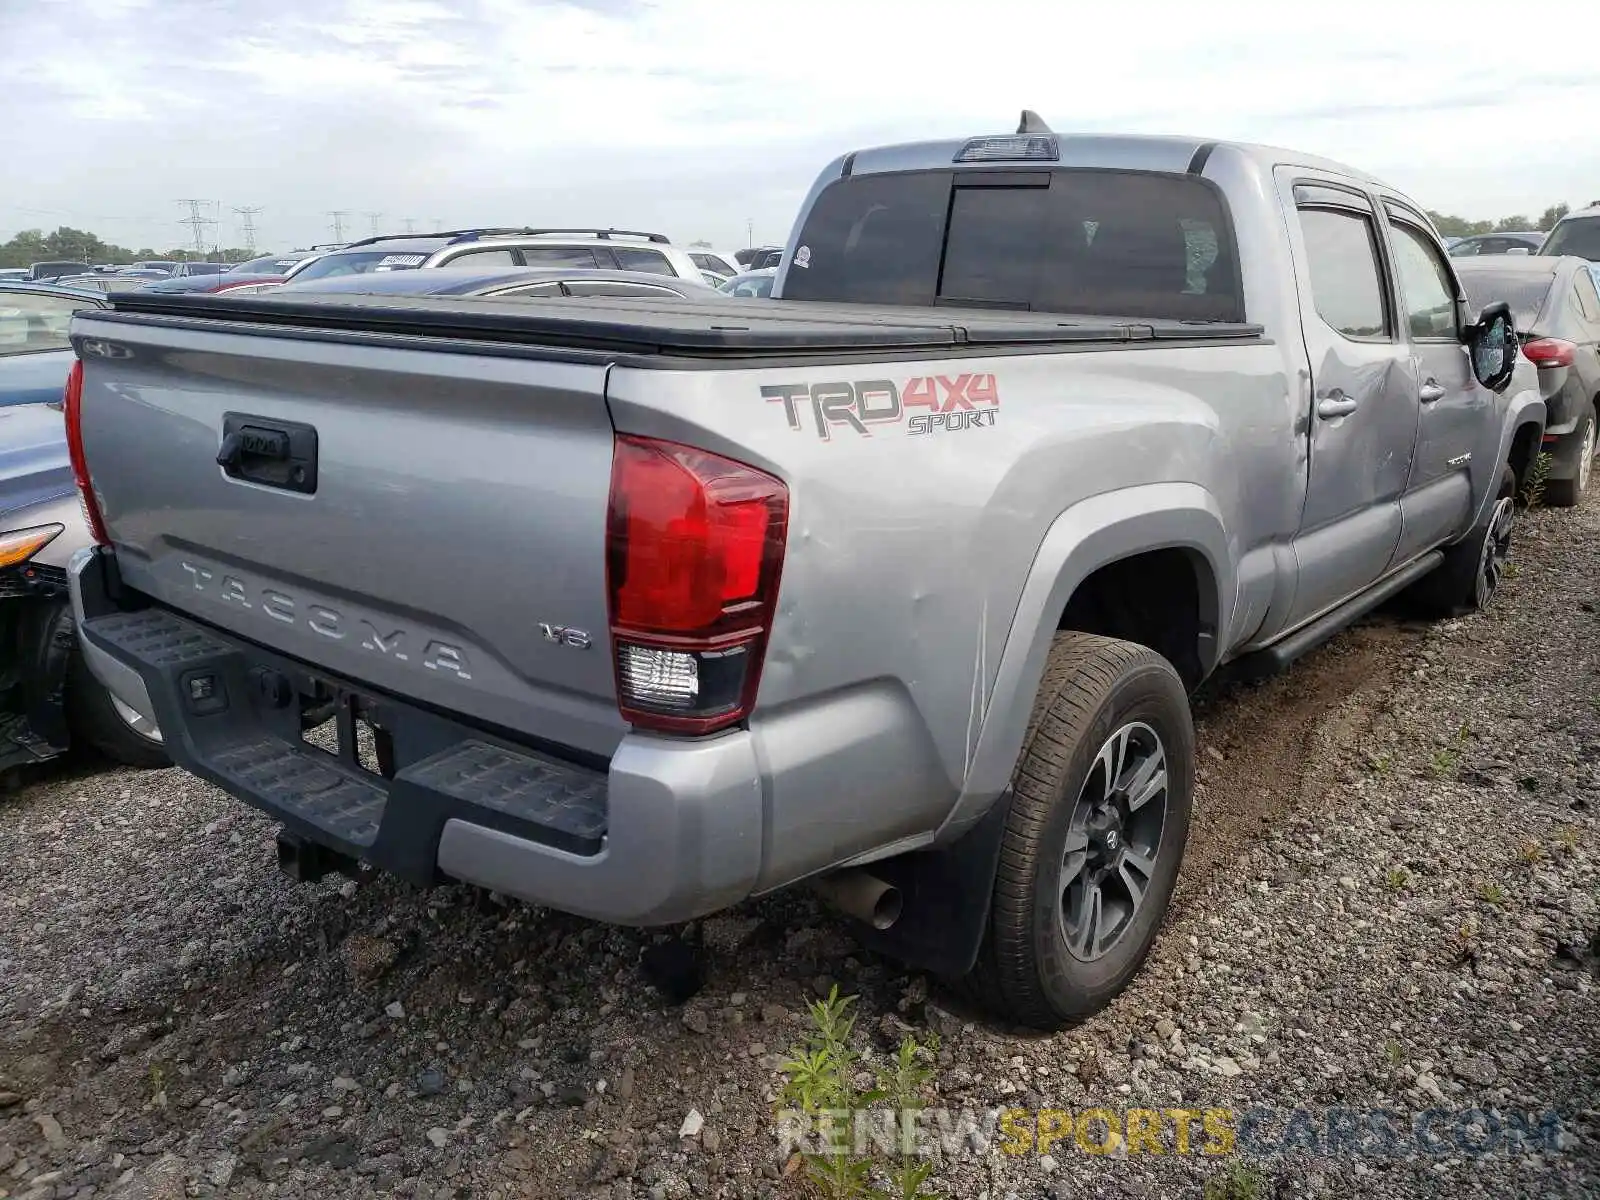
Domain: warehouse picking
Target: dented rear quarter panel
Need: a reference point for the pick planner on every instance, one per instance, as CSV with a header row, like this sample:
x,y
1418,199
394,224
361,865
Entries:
x,y
910,555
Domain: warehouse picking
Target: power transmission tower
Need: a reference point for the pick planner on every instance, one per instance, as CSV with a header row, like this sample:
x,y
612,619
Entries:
x,y
197,222
247,227
438,224
410,223
338,215
373,219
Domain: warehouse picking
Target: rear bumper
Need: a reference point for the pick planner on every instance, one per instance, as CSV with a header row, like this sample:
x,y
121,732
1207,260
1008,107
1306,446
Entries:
x,y
668,831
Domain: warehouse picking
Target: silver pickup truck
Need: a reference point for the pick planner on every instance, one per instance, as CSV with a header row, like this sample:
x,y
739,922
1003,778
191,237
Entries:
x,y
897,586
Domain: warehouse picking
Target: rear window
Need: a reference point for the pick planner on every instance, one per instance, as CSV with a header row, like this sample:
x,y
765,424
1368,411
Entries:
x,y
30,323
54,270
1575,235
331,266
1114,243
1525,293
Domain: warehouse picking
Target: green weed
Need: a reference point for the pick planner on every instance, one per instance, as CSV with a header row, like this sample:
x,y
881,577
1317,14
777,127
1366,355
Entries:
x,y
820,1081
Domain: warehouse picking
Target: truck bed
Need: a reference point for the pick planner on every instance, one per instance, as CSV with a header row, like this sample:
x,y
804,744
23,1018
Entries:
x,y
721,328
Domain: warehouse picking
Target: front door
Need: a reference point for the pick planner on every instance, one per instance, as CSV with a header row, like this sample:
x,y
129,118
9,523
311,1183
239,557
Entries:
x,y
1452,406
1362,406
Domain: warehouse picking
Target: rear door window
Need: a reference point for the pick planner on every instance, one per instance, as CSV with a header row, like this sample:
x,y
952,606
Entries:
x,y
646,262
1346,280
1143,245
560,256
482,258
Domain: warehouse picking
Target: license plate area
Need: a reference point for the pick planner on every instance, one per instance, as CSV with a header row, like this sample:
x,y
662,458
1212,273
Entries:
x,y
348,726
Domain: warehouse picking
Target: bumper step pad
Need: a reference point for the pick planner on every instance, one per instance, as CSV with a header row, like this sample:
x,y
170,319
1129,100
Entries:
x,y
253,751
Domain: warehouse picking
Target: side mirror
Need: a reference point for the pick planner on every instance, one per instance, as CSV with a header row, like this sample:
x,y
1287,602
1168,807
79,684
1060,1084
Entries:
x,y
1492,342
1518,250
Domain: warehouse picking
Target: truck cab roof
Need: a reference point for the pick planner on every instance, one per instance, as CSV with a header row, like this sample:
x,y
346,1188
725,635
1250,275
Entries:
x,y
1128,152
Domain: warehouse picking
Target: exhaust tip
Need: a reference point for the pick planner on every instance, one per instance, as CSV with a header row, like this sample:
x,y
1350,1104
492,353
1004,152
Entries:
x,y
887,910
863,896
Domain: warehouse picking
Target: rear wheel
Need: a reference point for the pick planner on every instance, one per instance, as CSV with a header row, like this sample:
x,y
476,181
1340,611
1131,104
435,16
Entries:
x,y
1095,834
1468,578
106,723
1566,493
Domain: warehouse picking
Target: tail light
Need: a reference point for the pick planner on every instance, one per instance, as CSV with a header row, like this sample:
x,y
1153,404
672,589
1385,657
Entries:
x,y
72,409
1549,352
694,548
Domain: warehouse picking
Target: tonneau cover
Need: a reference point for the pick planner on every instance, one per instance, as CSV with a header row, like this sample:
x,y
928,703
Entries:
x,y
730,327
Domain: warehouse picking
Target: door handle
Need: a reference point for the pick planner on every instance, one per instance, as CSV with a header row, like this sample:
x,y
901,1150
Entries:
x,y
1336,404
1431,391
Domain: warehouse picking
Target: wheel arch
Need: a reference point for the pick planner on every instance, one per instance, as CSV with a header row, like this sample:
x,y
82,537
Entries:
x,y
1166,523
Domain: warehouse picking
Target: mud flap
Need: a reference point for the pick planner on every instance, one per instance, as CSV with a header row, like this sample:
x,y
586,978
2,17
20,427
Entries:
x,y
947,893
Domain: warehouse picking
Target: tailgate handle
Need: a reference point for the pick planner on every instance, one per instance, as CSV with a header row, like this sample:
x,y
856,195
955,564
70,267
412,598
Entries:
x,y
272,453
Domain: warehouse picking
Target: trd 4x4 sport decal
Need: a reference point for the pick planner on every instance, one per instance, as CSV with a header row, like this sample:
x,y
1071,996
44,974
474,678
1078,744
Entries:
x,y
925,404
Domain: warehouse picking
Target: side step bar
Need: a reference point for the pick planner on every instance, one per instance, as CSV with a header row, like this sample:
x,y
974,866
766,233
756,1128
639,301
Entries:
x,y
1275,659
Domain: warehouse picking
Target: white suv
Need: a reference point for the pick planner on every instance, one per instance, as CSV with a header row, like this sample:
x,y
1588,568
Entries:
x,y
589,249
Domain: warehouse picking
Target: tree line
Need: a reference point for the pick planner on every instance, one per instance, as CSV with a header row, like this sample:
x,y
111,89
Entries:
x,y
77,245
1450,226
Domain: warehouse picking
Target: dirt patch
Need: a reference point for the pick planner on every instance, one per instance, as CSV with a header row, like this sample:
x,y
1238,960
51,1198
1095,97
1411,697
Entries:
x,y
1265,749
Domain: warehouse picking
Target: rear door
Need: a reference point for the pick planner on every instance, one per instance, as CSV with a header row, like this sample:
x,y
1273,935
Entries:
x,y
1452,410
1363,412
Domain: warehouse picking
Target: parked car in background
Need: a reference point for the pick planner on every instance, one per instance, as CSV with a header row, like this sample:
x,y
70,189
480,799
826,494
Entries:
x,y
8,274
164,266
751,284
898,588
1497,243
35,352
725,265
754,257
186,270
95,282
218,281
524,282
583,249
43,272
143,275
1557,311
1576,233
48,697
273,264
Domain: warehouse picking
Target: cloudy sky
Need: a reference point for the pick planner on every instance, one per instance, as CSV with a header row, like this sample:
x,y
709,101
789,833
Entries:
x,y
696,117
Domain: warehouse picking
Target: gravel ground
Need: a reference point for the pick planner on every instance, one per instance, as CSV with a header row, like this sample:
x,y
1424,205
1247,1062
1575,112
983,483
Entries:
x,y
1388,904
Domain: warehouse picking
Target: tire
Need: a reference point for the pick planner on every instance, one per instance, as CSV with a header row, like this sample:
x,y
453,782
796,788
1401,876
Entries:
x,y
1469,577
95,719
1568,493
1100,699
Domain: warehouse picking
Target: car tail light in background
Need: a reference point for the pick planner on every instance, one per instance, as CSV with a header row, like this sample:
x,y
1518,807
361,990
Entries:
x,y
694,548
1549,352
20,545
72,409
